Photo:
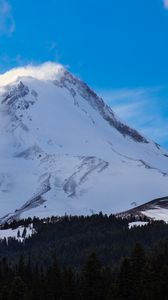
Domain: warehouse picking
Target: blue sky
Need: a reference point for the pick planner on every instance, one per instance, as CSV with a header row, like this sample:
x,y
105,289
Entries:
x,y
119,47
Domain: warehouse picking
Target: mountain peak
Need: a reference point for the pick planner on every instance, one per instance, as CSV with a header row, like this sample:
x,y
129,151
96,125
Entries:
x,y
62,145
62,78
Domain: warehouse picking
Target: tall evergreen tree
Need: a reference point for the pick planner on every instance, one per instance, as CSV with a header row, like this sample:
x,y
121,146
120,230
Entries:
x,y
54,282
124,281
69,290
91,281
18,289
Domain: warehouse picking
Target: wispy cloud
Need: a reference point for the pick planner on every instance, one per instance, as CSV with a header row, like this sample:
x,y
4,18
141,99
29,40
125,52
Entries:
x,y
143,109
165,2
53,50
7,23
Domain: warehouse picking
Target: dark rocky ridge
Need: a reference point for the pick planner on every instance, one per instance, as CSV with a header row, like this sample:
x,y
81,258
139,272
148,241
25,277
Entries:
x,y
98,104
137,211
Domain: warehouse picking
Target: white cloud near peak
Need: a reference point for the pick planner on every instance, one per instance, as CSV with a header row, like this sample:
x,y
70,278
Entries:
x,y
7,22
45,71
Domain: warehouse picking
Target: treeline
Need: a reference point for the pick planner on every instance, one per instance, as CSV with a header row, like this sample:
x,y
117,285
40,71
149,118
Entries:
x,y
139,276
72,239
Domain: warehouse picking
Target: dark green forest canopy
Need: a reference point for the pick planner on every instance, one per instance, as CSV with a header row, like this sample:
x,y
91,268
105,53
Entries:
x,y
140,276
72,239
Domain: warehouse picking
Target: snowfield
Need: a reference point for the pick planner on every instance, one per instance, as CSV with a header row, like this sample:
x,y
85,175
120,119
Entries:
x,y
17,233
157,213
63,150
137,224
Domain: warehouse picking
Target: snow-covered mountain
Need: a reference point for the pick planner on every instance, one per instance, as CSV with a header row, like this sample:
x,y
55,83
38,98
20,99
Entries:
x,y
63,150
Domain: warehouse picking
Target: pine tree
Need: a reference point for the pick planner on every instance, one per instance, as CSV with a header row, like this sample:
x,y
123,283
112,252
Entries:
x,y
54,282
21,267
150,281
113,293
24,233
18,289
137,261
18,234
124,281
91,280
68,285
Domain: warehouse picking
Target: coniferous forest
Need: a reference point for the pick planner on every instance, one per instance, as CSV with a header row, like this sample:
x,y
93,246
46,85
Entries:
x,y
139,276
91,258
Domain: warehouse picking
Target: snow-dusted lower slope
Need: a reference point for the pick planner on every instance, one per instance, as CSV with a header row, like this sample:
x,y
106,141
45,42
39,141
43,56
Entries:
x,y
63,150
137,224
20,233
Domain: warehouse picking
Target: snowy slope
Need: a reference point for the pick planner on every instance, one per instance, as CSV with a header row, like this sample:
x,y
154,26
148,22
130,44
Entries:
x,y
17,233
63,150
136,224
